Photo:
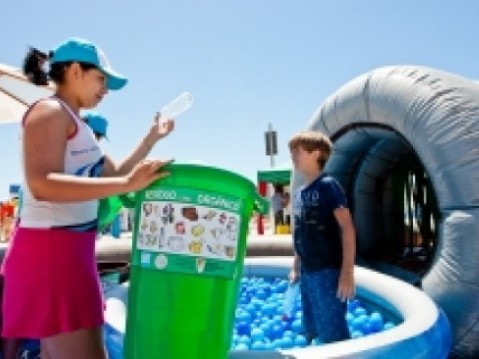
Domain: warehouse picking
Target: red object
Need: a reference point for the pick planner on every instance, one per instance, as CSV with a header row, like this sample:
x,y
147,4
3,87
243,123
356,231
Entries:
x,y
7,210
262,188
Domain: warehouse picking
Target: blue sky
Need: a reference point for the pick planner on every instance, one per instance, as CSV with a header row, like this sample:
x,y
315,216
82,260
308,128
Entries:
x,y
247,63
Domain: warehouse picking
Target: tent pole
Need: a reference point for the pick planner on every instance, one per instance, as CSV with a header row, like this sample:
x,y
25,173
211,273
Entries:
x,y
259,223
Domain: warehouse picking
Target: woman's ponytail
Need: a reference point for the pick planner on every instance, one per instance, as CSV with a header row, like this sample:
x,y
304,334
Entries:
x,y
33,67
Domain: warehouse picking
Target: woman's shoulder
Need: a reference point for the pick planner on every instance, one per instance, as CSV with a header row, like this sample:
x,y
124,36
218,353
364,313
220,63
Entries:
x,y
48,104
45,109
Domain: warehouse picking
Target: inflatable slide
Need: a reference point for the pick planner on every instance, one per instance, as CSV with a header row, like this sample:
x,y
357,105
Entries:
x,y
395,117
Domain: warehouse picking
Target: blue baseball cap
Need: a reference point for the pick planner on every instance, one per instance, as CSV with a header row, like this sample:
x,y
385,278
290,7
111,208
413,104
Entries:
x,y
80,50
97,123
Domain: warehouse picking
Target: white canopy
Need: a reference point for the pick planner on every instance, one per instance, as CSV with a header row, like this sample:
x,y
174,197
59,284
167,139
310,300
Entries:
x,y
17,93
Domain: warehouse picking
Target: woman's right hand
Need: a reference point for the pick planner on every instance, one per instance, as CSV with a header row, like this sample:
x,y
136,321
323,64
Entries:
x,y
144,173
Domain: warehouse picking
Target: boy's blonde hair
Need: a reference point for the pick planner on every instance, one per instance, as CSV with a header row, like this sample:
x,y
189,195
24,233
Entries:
x,y
311,141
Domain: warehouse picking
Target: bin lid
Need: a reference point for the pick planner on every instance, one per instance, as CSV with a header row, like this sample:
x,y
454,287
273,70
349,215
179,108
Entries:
x,y
215,179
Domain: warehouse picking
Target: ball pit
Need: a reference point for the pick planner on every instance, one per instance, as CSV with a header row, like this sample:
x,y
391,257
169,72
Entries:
x,y
261,322
422,331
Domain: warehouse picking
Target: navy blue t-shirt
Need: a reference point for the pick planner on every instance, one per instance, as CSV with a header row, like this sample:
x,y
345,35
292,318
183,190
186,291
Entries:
x,y
317,236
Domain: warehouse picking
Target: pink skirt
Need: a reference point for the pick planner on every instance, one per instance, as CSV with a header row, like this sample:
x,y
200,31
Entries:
x,y
51,283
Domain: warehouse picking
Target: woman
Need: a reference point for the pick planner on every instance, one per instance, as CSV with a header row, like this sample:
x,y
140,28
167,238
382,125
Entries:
x,y
51,289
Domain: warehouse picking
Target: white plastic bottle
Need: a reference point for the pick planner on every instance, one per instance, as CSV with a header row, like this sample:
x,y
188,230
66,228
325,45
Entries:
x,y
292,292
176,107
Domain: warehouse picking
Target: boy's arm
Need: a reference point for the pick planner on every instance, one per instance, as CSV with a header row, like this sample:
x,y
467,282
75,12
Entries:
x,y
346,279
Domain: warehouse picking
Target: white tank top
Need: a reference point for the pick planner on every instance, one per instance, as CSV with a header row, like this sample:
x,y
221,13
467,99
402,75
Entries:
x,y
83,157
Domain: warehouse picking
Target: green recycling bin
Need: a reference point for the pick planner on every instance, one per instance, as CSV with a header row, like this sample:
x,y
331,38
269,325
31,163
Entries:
x,y
189,244
109,208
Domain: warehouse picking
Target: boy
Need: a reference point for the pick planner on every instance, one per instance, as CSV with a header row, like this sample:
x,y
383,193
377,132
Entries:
x,y
324,241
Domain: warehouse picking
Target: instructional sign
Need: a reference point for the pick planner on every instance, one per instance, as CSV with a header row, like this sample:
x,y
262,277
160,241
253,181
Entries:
x,y
188,231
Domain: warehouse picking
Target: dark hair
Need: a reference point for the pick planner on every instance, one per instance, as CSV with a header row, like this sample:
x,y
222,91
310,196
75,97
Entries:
x,y
32,68
57,70
37,75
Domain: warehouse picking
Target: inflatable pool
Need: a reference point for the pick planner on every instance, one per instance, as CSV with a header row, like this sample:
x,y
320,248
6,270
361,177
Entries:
x,y
424,332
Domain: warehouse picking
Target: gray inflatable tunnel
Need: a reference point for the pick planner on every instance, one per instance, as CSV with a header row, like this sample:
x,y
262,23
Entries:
x,y
396,116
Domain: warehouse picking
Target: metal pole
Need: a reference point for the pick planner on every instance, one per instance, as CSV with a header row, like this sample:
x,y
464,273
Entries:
x,y
270,130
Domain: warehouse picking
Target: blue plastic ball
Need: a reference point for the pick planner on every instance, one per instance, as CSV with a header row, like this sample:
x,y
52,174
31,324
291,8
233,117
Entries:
x,y
268,346
258,345
250,307
287,343
376,321
243,316
388,325
353,304
356,334
266,328
244,340
241,346
257,334
360,311
269,309
282,286
276,331
367,328
358,323
243,328
297,326
300,341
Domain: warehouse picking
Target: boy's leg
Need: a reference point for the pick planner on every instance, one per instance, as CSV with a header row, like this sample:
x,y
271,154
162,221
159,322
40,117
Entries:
x,y
309,330
328,312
